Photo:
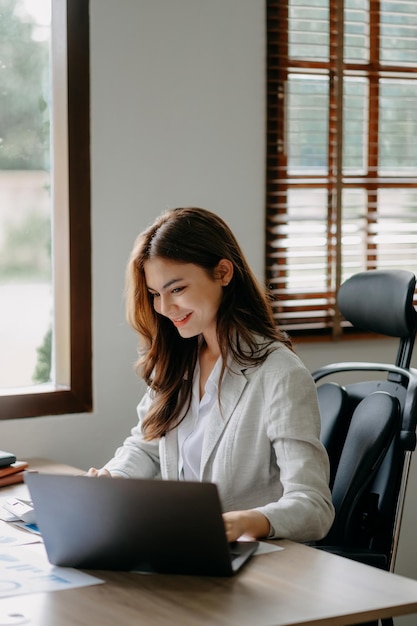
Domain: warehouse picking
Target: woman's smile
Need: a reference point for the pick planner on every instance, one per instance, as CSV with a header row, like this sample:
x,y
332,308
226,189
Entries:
x,y
178,322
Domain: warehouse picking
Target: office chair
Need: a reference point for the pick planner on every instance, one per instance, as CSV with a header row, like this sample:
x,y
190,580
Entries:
x,y
369,427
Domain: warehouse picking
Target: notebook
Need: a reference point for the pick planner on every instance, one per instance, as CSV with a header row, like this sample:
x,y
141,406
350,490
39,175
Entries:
x,y
162,526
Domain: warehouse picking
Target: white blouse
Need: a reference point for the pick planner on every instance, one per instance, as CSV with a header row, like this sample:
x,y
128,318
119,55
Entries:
x,y
191,429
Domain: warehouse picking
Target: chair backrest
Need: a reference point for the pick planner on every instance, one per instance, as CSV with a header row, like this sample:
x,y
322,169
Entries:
x,y
335,420
371,431
381,302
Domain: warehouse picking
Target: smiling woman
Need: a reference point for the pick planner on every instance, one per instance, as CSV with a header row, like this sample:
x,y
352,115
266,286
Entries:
x,y
45,325
228,401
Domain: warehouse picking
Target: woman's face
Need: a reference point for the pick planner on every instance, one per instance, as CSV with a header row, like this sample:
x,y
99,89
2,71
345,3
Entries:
x,y
186,294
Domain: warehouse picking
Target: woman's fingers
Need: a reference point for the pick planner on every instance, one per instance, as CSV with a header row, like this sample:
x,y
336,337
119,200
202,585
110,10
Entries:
x,y
97,473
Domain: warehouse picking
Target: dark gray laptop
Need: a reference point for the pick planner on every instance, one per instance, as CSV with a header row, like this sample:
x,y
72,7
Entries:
x,y
134,525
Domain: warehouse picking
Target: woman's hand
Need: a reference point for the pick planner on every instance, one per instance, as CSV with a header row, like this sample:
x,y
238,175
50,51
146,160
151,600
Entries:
x,y
251,523
98,473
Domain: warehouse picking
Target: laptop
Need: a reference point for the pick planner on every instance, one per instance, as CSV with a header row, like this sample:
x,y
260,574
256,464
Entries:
x,y
160,526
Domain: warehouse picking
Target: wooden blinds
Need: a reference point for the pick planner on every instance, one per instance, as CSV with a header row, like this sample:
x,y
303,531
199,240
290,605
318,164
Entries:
x,y
341,191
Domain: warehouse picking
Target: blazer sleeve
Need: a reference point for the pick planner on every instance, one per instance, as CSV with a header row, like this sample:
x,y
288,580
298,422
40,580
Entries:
x,y
305,511
137,458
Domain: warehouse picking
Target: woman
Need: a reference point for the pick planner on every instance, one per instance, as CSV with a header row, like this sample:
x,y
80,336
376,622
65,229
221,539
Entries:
x,y
228,401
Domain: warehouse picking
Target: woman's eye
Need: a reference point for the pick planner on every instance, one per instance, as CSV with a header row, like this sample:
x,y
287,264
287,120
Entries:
x,y
153,294
177,289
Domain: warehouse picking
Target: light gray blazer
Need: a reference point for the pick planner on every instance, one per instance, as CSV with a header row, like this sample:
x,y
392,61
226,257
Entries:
x,y
262,449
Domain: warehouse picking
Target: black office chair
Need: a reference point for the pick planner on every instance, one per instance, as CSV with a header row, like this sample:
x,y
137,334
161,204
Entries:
x,y
369,427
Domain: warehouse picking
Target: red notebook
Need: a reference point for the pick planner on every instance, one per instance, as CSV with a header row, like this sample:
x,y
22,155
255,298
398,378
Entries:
x,y
13,473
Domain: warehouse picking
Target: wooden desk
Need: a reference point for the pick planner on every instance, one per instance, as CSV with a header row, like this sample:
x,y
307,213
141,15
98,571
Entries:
x,y
299,585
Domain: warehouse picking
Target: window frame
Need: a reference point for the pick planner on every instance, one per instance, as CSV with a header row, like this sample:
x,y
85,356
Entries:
x,y
77,396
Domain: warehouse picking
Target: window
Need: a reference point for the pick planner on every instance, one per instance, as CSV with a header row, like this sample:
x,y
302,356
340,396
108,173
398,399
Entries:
x,y
51,145
341,150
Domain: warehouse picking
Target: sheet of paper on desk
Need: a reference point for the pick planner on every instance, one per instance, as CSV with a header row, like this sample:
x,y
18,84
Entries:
x,y
11,535
264,547
27,570
12,520
6,515
24,566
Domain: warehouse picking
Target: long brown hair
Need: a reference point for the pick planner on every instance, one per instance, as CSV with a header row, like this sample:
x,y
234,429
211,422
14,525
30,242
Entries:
x,y
167,361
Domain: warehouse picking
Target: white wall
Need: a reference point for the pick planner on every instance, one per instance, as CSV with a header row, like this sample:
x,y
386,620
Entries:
x,y
178,118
